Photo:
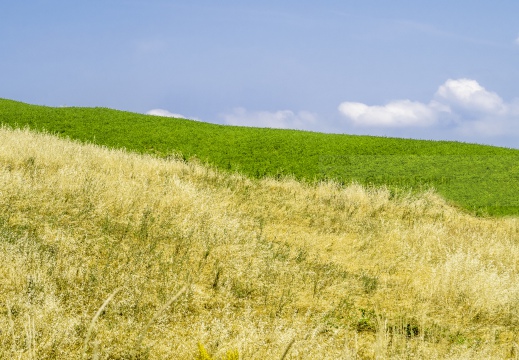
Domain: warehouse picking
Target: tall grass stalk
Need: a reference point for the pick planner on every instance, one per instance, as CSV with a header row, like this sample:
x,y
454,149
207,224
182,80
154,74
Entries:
x,y
94,320
143,333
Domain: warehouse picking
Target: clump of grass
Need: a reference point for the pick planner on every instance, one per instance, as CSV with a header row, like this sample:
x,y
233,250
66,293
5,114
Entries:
x,y
203,354
348,271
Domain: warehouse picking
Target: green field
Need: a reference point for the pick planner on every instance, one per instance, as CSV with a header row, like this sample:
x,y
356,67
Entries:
x,y
480,179
108,254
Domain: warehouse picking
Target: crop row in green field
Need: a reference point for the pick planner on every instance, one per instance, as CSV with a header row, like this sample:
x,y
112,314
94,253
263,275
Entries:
x,y
479,178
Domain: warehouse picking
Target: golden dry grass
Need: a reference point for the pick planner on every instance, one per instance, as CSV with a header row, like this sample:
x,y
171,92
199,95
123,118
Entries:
x,y
110,255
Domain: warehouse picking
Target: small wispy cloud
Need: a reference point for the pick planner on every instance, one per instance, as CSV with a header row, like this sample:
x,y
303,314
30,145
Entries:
x,y
431,30
283,119
463,105
165,113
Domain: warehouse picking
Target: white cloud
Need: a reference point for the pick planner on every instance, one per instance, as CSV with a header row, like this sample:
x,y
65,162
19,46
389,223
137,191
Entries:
x,y
283,119
165,113
394,114
468,95
459,107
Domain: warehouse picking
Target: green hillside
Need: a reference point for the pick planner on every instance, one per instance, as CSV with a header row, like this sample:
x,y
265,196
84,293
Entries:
x,y
481,179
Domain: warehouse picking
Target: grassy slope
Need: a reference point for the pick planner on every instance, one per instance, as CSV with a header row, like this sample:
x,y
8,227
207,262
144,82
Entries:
x,y
479,178
349,273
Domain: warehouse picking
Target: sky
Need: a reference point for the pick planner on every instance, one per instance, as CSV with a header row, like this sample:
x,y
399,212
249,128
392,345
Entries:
x,y
442,70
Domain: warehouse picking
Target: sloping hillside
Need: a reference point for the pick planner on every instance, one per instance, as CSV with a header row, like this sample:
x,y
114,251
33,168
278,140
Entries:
x,y
480,179
111,255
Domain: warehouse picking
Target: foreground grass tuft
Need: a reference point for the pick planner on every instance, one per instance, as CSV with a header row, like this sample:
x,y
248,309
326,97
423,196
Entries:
x,y
204,355
109,255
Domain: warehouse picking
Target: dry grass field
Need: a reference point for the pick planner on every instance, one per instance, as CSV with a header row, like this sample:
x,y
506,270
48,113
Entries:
x,y
110,255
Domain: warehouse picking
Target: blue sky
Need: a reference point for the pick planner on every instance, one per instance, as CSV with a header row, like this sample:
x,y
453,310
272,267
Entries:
x,y
429,70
